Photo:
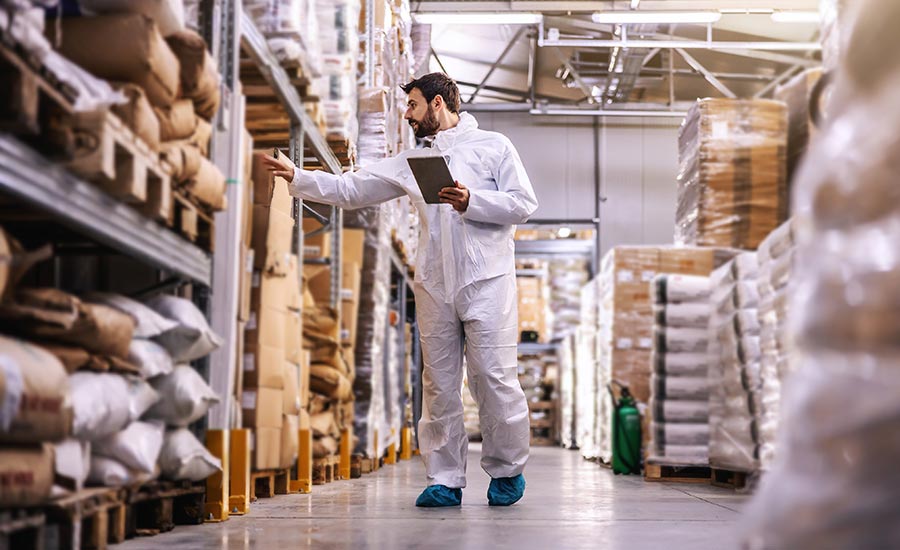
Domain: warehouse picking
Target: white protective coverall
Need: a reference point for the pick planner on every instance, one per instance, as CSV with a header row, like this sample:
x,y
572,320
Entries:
x,y
465,289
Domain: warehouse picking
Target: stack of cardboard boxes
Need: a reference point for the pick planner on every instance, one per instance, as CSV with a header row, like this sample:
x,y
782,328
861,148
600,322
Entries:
x,y
275,370
535,323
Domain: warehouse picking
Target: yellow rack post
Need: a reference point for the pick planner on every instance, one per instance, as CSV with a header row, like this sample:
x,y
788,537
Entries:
x,y
239,501
216,507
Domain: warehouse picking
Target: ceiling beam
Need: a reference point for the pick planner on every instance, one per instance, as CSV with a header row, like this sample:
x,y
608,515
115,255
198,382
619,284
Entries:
x,y
783,77
499,60
697,66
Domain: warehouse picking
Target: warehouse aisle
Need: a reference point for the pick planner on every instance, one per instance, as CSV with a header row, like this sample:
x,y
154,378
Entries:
x,y
569,503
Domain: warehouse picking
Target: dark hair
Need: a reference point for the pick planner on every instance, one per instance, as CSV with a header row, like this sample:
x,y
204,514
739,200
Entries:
x,y
436,84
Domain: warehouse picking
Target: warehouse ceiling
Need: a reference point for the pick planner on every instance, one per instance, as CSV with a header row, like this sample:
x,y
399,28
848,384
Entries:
x,y
627,78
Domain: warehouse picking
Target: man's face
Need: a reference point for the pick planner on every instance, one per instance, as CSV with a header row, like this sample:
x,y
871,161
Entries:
x,y
420,115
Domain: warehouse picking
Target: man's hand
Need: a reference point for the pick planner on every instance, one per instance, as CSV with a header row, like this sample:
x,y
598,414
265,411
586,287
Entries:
x,y
457,196
279,169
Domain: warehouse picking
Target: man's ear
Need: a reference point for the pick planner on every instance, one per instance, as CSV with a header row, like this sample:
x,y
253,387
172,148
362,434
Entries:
x,y
438,102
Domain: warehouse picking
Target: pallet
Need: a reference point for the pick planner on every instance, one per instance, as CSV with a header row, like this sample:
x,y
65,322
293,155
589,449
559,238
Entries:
x,y
676,474
729,479
159,506
366,465
22,529
542,442
110,155
90,518
268,483
193,222
32,107
356,466
325,470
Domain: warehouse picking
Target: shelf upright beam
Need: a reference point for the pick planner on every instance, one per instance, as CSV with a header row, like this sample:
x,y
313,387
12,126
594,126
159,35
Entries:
x,y
89,210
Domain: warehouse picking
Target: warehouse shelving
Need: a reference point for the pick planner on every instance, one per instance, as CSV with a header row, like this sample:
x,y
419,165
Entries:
x,y
89,210
555,247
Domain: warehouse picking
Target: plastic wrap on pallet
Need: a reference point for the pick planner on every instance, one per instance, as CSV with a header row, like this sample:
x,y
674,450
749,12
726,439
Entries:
x,y
567,392
732,183
567,277
586,392
834,482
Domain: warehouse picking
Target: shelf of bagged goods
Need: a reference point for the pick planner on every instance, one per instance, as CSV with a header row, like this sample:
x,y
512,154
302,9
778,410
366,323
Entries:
x,y
89,210
284,89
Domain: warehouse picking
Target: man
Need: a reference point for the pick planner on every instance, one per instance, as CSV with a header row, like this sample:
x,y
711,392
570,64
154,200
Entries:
x,y
465,285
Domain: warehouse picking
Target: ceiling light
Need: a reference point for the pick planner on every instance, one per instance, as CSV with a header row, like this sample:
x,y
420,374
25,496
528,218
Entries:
x,y
635,4
474,18
661,17
564,232
795,17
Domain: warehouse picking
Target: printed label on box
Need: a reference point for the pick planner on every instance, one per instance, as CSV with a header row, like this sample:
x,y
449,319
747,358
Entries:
x,y
251,322
249,362
257,280
248,400
625,276
346,294
624,343
720,129
645,343
250,257
647,276
345,334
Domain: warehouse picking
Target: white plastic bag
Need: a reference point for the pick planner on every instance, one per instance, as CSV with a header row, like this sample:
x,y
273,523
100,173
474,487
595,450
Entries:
x,y
148,323
183,457
142,396
192,338
101,403
184,397
136,447
108,472
73,462
150,357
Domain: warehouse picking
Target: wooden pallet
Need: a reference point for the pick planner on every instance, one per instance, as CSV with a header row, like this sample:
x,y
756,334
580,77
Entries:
x,y
89,518
675,473
193,222
325,470
543,442
268,483
110,155
729,479
22,529
159,506
32,107
356,466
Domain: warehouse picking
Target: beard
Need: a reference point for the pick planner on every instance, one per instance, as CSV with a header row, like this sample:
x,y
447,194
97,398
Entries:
x,y
426,127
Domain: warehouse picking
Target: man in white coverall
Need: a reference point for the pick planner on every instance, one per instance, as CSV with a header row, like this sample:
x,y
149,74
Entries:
x,y
465,285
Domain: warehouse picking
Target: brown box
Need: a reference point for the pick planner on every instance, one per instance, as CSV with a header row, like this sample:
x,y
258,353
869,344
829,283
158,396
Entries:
x,y
293,338
268,291
263,367
27,474
353,243
246,283
273,233
290,441
239,359
267,448
269,190
304,379
247,183
349,322
293,287
291,388
318,282
687,261
303,420
317,246
632,368
266,328
262,407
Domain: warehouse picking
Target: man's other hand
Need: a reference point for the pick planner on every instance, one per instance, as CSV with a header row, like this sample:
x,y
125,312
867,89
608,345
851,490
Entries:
x,y
279,169
458,197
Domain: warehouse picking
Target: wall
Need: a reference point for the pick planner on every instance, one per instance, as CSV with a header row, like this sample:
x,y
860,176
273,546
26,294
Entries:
x,y
638,165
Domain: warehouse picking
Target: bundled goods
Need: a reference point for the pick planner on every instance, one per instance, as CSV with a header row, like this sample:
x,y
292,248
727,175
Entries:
x,y
776,266
833,483
567,277
589,388
680,370
567,387
535,317
797,95
732,182
339,44
625,339
734,365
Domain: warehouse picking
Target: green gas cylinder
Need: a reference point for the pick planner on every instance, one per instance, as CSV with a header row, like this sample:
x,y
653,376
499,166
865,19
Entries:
x,y
626,435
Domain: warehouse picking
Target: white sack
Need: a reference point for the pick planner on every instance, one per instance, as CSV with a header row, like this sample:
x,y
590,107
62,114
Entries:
x,y
147,323
184,397
151,358
183,457
192,338
73,461
137,446
101,403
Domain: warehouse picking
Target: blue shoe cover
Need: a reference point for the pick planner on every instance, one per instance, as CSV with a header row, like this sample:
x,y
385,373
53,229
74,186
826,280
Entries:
x,y
506,491
439,496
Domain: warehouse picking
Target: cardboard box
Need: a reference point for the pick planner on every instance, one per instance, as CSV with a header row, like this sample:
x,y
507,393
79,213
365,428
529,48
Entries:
x,y
293,286
318,282
291,388
262,407
267,448
687,261
303,420
263,367
27,473
247,184
349,322
266,327
268,291
273,234
267,189
239,358
290,441
317,246
293,338
353,244
305,363
246,283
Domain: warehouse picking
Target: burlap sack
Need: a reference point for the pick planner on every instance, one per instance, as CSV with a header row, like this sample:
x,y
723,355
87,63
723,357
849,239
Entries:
x,y
324,447
176,121
28,475
329,382
199,75
138,115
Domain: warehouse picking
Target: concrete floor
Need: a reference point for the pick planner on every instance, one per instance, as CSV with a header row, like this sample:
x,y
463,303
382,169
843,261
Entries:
x,y
569,503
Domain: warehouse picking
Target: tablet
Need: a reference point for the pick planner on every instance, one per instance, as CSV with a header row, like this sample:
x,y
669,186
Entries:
x,y
432,174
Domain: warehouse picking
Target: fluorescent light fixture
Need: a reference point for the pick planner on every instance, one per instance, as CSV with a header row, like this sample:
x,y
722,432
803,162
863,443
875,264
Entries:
x,y
564,232
795,17
661,17
475,18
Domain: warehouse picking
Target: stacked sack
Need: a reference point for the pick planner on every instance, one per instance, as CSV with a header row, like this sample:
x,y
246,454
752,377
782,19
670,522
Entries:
x,y
169,80
834,481
567,277
336,87
567,392
734,362
776,266
291,28
679,386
